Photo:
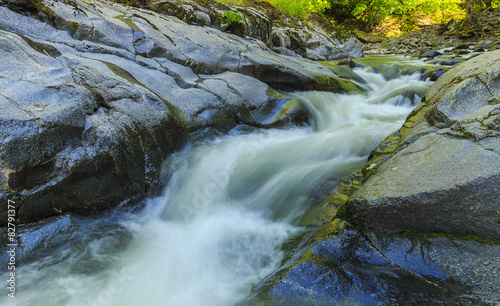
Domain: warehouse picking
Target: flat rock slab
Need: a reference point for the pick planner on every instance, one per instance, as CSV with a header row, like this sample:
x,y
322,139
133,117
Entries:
x,y
436,184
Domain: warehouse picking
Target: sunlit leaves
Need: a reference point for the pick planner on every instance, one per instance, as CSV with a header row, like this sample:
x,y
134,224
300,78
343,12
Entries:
x,y
373,12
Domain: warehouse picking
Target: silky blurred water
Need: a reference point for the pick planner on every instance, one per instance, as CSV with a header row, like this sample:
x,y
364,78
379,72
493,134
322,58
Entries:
x,y
229,205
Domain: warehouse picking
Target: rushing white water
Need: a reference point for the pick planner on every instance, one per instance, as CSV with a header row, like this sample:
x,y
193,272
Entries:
x,y
229,205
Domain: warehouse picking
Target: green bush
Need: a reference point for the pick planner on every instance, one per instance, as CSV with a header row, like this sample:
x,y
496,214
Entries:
x,y
232,17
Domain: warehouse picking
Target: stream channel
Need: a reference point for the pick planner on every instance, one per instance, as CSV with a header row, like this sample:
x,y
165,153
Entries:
x,y
230,203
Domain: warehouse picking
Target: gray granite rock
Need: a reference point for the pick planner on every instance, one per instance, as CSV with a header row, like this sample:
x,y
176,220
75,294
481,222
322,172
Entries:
x,y
94,96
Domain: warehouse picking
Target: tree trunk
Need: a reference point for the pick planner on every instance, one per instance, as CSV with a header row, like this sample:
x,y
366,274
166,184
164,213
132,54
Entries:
x,y
468,12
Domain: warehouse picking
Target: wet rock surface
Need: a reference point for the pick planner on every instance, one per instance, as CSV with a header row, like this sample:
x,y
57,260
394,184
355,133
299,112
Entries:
x,y
371,269
438,61
94,96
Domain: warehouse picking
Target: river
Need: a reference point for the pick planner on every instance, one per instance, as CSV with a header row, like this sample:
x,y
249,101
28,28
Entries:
x,y
231,202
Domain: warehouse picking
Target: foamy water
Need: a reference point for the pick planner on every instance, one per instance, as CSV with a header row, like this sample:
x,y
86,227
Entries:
x,y
229,205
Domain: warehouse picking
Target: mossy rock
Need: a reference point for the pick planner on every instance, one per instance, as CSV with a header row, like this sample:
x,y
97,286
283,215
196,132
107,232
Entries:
x,y
429,177
368,38
318,20
414,268
329,83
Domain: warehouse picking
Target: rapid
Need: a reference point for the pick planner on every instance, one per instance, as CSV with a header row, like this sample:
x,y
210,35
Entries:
x,y
230,203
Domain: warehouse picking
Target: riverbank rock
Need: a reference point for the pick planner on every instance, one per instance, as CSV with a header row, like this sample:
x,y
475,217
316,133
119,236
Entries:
x,y
351,268
369,38
95,96
314,38
441,171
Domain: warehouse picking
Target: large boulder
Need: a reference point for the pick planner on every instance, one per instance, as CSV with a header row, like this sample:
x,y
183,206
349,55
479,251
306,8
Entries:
x,y
315,39
255,22
314,43
440,173
423,212
130,32
95,96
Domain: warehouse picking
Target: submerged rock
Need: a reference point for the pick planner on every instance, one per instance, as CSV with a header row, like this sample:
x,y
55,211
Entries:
x,y
347,62
430,53
436,74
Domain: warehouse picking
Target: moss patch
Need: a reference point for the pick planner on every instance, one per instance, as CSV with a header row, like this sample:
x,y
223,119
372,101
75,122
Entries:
x,y
342,71
129,22
329,83
122,73
41,7
75,26
469,237
42,48
424,240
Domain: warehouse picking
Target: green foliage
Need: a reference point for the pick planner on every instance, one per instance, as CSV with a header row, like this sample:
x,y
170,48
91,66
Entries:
x,y
152,6
484,4
137,3
298,8
301,7
294,8
316,5
234,2
370,13
367,14
232,17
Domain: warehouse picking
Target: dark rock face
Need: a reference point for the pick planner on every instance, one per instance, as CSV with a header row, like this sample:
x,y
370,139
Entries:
x,y
450,62
443,173
436,74
314,44
369,269
94,97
